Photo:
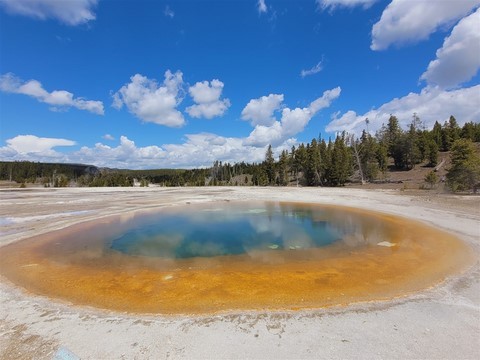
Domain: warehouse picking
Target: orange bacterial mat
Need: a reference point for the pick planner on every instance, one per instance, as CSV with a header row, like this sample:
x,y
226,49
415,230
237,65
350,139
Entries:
x,y
378,257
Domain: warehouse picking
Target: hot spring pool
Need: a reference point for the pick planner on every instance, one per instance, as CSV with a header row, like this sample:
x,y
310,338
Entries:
x,y
229,229
228,256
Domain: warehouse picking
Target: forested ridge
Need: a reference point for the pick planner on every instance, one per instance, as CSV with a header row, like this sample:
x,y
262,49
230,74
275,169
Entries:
x,y
321,162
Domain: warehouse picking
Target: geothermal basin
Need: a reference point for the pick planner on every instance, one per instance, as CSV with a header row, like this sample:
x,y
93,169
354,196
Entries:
x,y
234,255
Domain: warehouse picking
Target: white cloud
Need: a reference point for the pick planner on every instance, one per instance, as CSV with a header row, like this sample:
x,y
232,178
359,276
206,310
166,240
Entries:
x,y
151,102
265,135
314,70
70,12
26,144
459,58
125,155
108,137
261,6
260,111
197,151
405,21
332,4
57,98
169,12
205,148
431,104
291,122
325,100
208,110
205,92
206,96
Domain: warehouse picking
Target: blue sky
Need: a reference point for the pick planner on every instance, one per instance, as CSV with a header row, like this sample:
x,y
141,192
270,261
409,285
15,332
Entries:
x,y
153,84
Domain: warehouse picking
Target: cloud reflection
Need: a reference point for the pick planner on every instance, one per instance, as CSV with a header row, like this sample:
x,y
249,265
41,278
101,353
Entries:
x,y
217,229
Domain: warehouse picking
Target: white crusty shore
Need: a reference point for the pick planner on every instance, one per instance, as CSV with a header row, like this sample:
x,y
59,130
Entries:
x,y
439,323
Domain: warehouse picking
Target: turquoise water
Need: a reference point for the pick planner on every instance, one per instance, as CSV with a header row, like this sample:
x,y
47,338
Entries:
x,y
228,229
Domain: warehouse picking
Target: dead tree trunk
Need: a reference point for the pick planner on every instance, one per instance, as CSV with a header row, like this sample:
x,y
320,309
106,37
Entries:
x,y
357,157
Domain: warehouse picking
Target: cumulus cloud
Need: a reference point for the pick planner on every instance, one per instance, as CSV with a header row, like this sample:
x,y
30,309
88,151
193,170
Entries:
x,y
265,135
332,4
291,122
198,150
206,96
71,12
205,148
152,102
260,111
58,98
314,70
28,144
126,155
261,6
458,60
404,21
431,104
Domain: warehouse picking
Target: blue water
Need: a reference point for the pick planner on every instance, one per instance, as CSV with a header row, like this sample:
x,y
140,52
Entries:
x,y
227,229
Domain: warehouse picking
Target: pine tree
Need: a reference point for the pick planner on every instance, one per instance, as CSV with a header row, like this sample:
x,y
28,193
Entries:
x,y
436,134
324,161
471,131
312,173
432,153
301,160
450,133
293,164
382,158
341,162
431,179
269,165
368,156
283,168
411,151
464,173
395,141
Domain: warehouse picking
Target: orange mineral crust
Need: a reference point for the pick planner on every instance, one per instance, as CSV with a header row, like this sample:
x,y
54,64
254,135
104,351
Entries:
x,y
71,264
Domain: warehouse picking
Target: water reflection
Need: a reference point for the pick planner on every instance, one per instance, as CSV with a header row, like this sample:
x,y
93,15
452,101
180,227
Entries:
x,y
238,228
267,232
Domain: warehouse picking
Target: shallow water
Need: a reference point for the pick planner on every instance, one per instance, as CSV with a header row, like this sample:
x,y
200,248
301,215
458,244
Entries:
x,y
232,256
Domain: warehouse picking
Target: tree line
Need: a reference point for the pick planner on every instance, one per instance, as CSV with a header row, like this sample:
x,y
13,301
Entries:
x,y
49,174
321,162
368,158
